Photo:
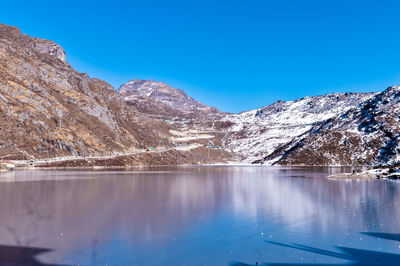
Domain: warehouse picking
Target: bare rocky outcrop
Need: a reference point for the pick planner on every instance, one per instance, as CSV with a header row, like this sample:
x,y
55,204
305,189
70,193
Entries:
x,y
48,109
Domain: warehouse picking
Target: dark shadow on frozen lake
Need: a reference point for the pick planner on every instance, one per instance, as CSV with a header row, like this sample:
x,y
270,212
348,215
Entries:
x,y
395,237
350,256
14,255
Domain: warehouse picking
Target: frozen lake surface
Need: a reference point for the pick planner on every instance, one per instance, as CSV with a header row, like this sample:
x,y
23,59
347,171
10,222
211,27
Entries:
x,y
220,215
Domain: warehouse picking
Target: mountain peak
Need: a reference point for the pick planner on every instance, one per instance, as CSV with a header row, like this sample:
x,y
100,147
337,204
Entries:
x,y
9,30
13,35
148,87
165,97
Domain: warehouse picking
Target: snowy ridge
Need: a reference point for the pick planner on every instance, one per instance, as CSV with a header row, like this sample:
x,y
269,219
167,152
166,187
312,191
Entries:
x,y
366,135
258,133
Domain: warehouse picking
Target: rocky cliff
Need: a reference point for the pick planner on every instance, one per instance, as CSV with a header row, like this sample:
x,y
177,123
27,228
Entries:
x,y
48,109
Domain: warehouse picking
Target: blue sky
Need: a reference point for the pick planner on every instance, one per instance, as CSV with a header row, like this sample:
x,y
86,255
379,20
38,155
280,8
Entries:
x,y
235,55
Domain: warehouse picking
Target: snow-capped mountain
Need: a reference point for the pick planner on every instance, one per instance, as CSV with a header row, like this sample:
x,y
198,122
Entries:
x,y
365,135
48,109
258,133
158,98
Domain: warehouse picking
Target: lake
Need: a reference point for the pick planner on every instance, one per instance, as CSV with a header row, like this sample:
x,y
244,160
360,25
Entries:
x,y
218,215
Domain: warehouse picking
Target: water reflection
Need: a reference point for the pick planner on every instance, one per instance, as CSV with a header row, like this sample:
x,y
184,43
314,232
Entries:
x,y
198,215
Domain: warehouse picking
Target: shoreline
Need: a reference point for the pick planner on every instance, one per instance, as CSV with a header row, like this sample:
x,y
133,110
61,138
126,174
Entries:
x,y
352,176
127,167
385,173
131,167
371,174
133,160
140,159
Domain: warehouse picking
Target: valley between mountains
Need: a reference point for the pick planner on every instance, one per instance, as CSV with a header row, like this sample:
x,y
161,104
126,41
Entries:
x,y
53,116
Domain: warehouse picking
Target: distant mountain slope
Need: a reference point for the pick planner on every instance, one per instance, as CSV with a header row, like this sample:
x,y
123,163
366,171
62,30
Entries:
x,y
365,135
259,133
157,98
48,109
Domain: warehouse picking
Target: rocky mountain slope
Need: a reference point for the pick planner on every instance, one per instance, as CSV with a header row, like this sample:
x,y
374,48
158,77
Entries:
x,y
159,99
365,135
258,133
48,109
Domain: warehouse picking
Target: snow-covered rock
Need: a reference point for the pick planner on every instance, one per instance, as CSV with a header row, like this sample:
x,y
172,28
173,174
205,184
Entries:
x,y
259,133
366,135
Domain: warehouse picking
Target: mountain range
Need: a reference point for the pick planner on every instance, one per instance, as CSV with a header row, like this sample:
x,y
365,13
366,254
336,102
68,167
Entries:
x,y
52,115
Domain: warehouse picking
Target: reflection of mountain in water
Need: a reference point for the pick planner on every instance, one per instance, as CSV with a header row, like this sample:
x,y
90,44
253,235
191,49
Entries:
x,y
146,209
295,200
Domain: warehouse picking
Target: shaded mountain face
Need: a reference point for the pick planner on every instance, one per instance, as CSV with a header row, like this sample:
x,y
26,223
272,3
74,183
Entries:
x,y
48,109
365,135
157,98
259,133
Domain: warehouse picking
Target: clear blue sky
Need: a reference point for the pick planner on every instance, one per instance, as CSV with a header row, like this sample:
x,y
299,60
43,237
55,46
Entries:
x,y
235,55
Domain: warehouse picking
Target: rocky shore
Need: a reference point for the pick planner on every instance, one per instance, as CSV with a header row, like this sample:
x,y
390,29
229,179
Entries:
x,y
391,173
